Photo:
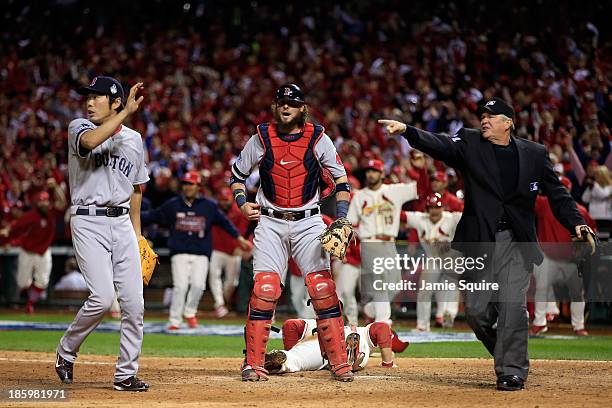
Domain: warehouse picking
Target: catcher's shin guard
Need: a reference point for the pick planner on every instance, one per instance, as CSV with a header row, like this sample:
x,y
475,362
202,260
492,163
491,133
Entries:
x,y
330,326
266,291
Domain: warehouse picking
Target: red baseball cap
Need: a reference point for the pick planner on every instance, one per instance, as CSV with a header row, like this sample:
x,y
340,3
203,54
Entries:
x,y
397,345
43,196
225,194
434,200
566,182
375,164
439,176
192,177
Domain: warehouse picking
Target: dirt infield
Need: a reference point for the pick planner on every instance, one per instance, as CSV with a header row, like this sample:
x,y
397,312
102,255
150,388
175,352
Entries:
x,y
215,382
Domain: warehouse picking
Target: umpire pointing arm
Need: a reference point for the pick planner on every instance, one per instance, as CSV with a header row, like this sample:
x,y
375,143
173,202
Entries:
x,y
502,175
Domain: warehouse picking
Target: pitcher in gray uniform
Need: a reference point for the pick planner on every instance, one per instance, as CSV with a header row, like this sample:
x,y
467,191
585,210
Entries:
x,y
106,170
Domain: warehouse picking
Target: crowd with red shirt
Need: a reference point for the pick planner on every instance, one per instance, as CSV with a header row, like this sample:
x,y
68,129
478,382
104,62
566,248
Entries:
x,y
210,71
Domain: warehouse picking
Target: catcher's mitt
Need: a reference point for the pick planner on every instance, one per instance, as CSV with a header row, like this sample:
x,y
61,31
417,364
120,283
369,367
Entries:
x,y
336,238
148,259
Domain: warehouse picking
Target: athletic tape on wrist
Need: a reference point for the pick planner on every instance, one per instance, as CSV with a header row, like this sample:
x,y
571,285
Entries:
x,y
239,197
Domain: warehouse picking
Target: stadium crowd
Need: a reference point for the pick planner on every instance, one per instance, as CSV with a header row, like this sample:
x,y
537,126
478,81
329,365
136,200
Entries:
x,y
210,73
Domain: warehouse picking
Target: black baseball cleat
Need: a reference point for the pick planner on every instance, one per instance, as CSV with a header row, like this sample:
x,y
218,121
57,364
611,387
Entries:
x,y
64,369
510,383
355,356
131,384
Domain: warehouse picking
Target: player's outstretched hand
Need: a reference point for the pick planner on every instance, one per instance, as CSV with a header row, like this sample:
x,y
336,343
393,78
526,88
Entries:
x,y
251,211
393,127
132,104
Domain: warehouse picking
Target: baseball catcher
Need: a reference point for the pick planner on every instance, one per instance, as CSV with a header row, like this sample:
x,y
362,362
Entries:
x,y
290,153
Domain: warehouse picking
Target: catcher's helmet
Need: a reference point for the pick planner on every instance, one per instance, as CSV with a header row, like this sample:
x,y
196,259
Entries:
x,y
291,92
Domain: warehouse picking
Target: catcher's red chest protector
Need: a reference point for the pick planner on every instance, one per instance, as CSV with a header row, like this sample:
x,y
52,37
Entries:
x,y
289,169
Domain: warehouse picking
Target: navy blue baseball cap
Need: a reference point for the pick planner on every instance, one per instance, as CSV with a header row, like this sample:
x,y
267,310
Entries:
x,y
496,106
103,85
291,92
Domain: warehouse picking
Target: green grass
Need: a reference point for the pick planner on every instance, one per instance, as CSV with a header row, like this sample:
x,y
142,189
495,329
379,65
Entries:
x,y
592,348
153,344
67,317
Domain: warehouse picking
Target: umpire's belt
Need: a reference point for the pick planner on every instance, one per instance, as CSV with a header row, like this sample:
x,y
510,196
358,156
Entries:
x,y
102,211
288,215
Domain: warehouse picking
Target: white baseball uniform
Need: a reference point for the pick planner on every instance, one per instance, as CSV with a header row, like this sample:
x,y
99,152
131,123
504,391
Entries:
x,y
429,234
306,354
105,247
33,267
550,273
377,214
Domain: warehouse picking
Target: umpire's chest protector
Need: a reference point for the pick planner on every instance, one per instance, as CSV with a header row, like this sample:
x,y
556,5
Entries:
x,y
289,168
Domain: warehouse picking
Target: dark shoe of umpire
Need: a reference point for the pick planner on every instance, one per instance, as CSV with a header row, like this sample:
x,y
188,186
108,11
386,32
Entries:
x,y
132,383
510,383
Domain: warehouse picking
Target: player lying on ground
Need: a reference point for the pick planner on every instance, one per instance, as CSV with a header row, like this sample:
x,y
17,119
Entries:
x,y
303,353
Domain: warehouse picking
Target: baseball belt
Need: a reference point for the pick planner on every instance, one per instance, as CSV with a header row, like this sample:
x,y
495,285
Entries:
x,y
104,212
288,215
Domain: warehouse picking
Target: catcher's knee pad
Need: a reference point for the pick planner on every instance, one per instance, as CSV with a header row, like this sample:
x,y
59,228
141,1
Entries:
x,y
322,291
266,291
380,334
293,331
330,326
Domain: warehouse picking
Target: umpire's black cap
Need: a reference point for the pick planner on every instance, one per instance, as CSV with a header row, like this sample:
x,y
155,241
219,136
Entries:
x,y
291,92
103,85
496,106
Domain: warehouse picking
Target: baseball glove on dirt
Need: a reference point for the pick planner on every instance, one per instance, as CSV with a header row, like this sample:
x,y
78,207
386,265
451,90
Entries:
x,y
336,238
148,259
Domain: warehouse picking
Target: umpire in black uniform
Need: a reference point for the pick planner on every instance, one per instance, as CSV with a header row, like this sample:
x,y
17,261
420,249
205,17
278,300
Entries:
x,y
502,175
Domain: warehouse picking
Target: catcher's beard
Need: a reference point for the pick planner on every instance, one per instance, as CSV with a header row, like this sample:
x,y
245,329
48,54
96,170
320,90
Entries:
x,y
299,121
